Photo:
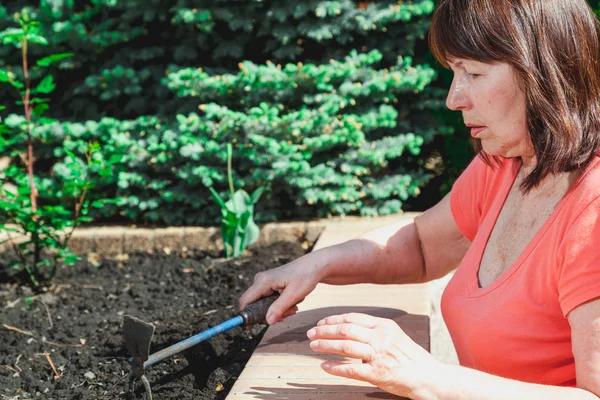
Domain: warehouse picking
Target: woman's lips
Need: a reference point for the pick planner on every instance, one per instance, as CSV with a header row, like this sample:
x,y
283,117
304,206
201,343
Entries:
x,y
476,130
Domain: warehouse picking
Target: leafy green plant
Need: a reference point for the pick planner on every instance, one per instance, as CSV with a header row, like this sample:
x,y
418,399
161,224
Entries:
x,y
122,47
328,139
238,228
333,132
39,213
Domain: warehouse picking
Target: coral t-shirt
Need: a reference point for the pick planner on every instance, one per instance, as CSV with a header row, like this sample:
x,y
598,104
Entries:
x,y
517,326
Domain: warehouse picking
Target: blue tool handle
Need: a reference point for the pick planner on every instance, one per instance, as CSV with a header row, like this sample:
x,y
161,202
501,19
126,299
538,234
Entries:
x,y
192,341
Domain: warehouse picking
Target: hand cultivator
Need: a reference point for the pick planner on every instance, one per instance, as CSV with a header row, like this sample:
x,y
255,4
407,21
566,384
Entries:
x,y
138,335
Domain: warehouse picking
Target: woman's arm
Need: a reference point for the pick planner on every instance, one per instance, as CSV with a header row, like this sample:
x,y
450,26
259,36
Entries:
x,y
426,249
390,254
459,383
392,361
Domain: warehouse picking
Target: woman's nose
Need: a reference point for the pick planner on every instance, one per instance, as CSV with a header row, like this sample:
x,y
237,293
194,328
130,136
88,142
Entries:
x,y
457,98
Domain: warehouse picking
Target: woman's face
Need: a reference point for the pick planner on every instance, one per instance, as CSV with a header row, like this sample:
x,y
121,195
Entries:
x,y
492,105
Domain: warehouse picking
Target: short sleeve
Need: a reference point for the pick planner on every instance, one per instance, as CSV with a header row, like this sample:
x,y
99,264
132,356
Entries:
x,y
579,260
468,196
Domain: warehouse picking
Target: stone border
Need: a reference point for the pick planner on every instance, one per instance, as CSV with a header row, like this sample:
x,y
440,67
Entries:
x,y
110,241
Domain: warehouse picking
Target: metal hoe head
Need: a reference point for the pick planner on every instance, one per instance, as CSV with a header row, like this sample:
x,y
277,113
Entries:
x,y
137,335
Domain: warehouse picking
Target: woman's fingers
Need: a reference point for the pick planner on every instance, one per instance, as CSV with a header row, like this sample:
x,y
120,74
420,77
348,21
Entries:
x,y
255,292
286,301
348,370
349,340
351,318
341,332
345,348
290,312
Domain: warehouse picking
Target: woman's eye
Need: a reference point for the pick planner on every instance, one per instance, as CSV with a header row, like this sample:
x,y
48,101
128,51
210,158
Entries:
x,y
470,75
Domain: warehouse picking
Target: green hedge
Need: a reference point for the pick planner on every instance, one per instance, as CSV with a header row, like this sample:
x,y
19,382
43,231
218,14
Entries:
x,y
124,47
290,134
330,130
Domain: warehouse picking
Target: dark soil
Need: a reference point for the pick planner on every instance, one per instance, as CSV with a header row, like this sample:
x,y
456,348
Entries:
x,y
181,294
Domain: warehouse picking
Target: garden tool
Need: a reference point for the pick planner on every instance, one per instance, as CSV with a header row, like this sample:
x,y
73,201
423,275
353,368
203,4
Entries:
x,y
138,334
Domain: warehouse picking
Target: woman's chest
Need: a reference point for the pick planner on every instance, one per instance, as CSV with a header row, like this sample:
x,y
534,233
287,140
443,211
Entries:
x,y
515,329
519,221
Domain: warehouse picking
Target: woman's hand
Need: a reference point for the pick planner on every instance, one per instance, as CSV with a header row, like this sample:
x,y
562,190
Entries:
x,y
390,359
294,281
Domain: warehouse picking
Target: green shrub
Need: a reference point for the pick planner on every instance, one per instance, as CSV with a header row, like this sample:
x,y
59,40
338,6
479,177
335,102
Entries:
x,y
44,210
330,129
322,138
122,48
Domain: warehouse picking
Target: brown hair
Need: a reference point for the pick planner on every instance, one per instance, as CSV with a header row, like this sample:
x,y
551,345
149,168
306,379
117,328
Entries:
x,y
554,48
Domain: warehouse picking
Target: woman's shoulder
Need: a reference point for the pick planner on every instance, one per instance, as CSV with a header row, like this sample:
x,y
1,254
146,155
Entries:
x,y
588,184
484,179
584,197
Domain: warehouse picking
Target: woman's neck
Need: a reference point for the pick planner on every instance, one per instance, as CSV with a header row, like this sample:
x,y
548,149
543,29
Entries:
x,y
528,164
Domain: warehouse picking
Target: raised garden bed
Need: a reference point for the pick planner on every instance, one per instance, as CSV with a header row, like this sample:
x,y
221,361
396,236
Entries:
x,y
77,324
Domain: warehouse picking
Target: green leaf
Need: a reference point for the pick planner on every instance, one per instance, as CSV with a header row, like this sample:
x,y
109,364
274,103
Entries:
x,y
40,109
44,263
46,61
35,100
238,244
230,218
17,84
240,202
217,198
111,201
257,193
71,259
115,158
5,76
34,38
12,35
245,217
252,233
8,194
46,86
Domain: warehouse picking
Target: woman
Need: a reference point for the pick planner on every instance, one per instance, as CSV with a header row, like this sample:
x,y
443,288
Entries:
x,y
522,223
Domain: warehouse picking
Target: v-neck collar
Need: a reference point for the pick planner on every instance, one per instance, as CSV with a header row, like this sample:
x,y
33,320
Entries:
x,y
474,290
